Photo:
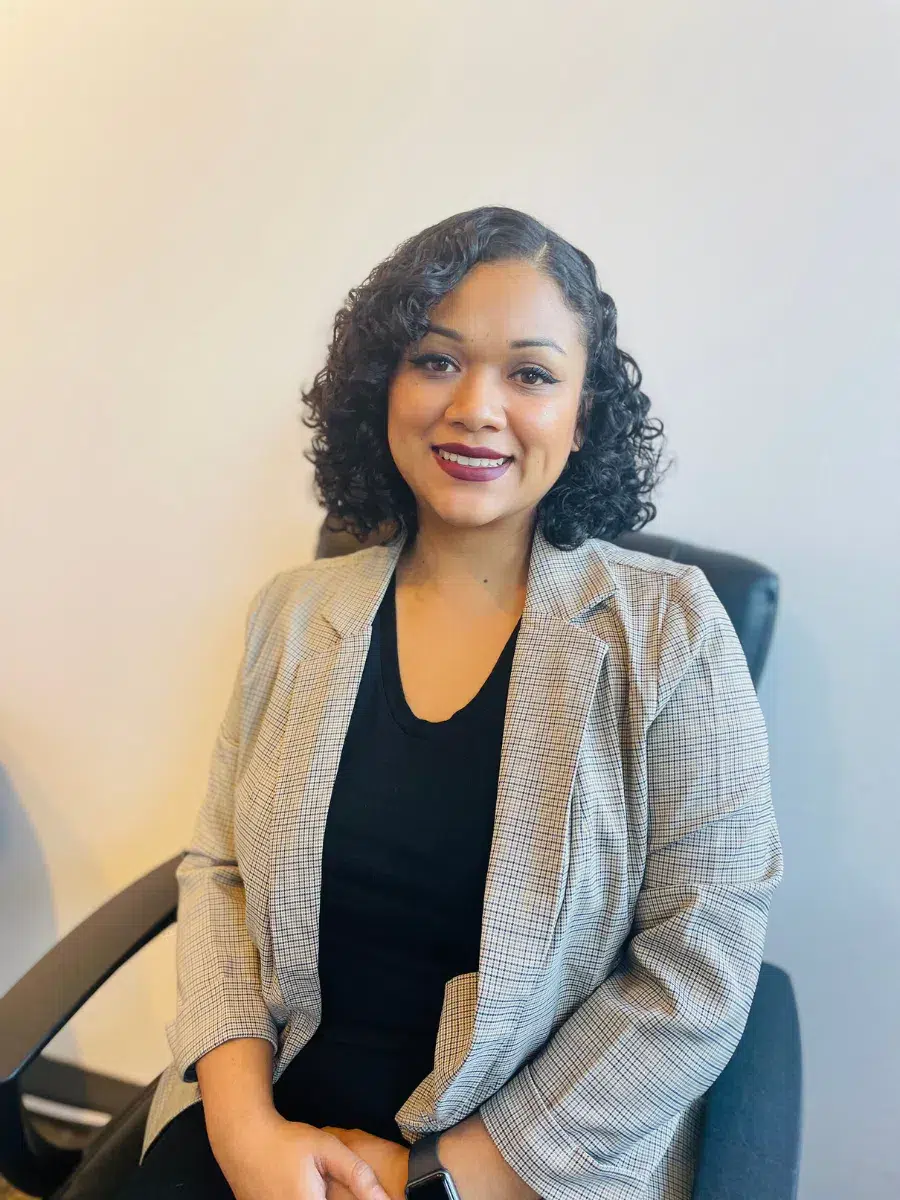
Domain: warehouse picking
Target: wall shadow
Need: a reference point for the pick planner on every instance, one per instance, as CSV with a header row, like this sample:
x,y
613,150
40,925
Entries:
x,y
27,910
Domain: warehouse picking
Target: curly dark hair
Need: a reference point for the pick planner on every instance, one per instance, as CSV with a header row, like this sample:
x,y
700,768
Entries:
x,y
604,488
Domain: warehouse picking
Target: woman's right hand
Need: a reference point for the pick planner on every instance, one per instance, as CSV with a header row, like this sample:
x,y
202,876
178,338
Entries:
x,y
261,1155
273,1159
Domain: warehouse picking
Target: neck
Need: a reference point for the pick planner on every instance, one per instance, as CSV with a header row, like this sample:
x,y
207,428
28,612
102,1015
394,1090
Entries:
x,y
489,561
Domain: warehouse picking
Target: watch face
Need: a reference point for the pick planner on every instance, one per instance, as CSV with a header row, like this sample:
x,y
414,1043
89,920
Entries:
x,y
432,1188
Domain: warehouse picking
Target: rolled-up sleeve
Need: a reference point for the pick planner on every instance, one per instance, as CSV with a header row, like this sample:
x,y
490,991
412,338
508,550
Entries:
x,y
219,995
593,1112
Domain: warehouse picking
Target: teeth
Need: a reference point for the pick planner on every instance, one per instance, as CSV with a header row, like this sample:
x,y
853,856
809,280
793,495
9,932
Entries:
x,y
470,462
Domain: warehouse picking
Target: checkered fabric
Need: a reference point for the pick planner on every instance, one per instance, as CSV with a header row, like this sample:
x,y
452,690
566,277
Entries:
x,y
634,856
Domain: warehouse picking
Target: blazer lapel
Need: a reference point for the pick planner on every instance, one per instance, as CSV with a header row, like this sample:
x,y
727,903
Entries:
x,y
324,692
553,684
555,673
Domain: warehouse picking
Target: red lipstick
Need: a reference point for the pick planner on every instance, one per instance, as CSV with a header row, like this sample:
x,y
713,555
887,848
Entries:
x,y
465,471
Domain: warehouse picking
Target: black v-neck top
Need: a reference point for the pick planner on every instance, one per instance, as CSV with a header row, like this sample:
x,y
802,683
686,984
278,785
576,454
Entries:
x,y
404,863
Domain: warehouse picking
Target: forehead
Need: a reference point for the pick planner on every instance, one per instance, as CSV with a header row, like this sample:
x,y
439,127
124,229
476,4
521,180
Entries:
x,y
501,301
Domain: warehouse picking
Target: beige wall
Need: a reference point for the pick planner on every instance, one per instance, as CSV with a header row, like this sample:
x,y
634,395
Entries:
x,y
189,189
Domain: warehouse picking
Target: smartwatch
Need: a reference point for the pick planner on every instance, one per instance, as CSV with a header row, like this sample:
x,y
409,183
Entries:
x,y
428,1178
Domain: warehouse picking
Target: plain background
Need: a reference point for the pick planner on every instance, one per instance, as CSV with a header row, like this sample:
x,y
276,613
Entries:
x,y
189,189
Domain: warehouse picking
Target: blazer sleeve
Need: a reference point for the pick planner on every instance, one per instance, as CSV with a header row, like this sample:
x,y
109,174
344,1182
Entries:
x,y
219,995
594,1110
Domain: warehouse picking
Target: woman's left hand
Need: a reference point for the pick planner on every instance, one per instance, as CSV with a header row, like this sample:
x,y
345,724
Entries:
x,y
389,1161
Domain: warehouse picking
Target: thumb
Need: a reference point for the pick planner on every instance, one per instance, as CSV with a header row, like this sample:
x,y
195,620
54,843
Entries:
x,y
342,1164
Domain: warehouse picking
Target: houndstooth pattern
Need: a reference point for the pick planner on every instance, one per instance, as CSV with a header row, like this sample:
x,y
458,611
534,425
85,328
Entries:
x,y
634,857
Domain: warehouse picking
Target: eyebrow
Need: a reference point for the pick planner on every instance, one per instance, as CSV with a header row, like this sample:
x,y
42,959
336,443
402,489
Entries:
x,y
456,336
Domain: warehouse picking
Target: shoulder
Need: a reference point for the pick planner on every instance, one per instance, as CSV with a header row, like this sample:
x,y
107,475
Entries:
x,y
669,590
290,603
646,588
661,614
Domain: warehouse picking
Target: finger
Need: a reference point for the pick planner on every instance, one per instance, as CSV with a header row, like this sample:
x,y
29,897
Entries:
x,y
341,1134
352,1171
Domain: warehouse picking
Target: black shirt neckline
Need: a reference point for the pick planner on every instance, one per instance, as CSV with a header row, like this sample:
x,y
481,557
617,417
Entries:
x,y
386,625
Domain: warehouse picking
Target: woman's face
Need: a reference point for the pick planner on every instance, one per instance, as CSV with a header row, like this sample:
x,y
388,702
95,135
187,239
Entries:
x,y
481,419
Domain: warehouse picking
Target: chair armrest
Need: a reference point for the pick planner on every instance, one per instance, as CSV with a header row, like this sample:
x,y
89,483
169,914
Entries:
x,y
35,1009
750,1145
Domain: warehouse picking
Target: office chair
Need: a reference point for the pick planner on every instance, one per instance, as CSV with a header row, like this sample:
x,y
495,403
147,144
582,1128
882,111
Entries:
x,y
750,1143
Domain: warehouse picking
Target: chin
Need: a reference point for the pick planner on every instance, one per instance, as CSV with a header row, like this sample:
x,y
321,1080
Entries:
x,y
467,516
467,522
475,518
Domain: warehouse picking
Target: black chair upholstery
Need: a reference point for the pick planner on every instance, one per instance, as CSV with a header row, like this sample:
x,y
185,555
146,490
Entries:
x,y
49,995
750,1148
28,1018
112,1156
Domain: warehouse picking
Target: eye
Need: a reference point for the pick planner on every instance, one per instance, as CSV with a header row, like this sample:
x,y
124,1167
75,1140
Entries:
x,y
422,360
542,376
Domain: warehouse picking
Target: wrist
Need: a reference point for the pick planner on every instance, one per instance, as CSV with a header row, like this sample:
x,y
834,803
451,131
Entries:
x,y
428,1175
395,1182
476,1165
227,1128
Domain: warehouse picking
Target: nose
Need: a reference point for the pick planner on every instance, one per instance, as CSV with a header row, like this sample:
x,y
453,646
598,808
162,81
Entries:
x,y
477,401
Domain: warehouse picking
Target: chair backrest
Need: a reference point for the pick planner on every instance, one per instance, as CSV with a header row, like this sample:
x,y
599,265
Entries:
x,y
748,590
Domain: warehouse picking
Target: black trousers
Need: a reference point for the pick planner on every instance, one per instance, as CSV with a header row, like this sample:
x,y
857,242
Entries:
x,y
332,1081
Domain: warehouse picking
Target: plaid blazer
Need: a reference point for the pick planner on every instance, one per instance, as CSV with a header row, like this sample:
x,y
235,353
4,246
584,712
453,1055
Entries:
x,y
634,856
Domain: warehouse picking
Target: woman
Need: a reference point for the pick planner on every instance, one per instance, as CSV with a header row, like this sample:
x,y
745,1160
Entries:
x,y
488,845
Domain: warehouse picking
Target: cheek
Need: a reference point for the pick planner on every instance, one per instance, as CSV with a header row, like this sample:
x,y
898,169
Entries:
x,y
409,406
549,427
395,401
399,413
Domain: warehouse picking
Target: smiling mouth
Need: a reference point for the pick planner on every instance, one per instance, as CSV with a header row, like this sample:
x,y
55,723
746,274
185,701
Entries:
x,y
466,460
472,468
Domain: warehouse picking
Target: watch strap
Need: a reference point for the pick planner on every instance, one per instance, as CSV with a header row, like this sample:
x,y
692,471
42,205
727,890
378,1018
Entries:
x,y
423,1158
